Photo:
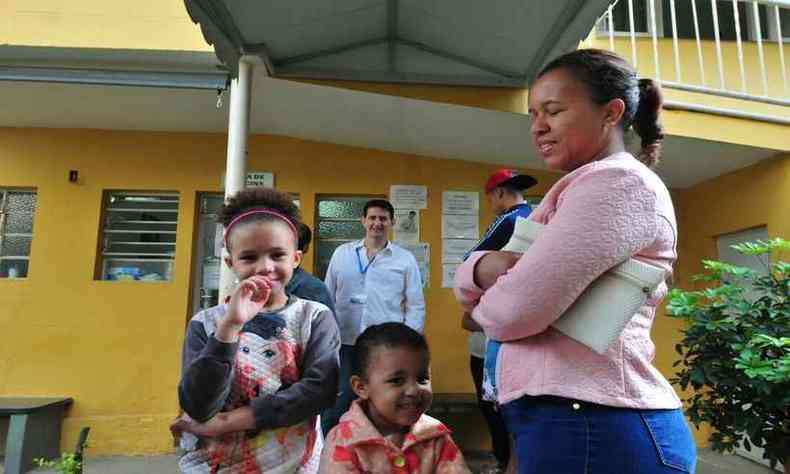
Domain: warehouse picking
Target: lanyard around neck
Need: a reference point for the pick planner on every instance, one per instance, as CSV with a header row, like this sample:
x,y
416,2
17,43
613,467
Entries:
x,y
364,270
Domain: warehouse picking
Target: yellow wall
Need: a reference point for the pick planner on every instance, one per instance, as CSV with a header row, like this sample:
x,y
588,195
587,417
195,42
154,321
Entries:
x,y
755,196
114,346
142,24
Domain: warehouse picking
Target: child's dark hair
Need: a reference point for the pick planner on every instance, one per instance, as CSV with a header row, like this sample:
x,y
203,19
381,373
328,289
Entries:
x,y
257,198
390,335
607,76
305,237
380,203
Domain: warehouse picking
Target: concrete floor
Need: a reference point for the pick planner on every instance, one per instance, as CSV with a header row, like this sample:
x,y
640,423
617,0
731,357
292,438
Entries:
x,y
708,463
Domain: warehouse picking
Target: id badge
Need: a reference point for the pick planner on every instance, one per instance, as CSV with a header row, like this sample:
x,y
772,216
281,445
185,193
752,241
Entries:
x,y
359,298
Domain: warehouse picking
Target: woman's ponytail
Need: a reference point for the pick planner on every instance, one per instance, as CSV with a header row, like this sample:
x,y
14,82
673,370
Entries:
x,y
646,123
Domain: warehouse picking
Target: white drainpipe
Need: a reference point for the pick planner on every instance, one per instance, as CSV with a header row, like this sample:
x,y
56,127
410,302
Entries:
x,y
236,167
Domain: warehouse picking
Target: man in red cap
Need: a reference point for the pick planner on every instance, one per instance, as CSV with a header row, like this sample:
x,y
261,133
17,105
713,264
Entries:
x,y
505,193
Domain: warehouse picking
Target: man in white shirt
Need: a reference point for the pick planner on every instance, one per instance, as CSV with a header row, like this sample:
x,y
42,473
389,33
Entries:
x,y
371,281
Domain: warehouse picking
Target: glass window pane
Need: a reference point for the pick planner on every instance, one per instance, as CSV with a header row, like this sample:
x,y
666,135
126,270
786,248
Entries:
x,y
211,204
143,201
621,20
135,269
20,209
349,208
324,255
16,246
139,236
13,268
349,230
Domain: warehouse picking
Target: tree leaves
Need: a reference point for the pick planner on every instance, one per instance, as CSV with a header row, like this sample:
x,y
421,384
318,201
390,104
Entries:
x,y
735,352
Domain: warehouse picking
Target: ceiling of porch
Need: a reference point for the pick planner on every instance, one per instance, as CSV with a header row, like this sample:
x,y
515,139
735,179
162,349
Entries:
x,y
334,115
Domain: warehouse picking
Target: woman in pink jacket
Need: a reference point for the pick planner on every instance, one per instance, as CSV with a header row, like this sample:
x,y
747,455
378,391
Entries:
x,y
572,410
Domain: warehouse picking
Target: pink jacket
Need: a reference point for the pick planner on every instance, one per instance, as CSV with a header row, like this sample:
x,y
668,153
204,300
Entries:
x,y
597,216
356,446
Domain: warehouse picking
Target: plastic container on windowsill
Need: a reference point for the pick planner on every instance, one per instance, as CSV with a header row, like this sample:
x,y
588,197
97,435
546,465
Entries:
x,y
124,273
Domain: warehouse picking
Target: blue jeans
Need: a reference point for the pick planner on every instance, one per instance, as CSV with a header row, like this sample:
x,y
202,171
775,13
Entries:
x,y
331,416
563,436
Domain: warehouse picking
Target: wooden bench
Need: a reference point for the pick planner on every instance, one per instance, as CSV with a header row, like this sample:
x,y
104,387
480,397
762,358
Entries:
x,y
34,430
451,403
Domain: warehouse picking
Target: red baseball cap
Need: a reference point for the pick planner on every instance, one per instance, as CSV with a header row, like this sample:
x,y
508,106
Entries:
x,y
509,177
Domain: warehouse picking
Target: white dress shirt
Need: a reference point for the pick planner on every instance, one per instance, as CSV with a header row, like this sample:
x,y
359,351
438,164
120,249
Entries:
x,y
366,292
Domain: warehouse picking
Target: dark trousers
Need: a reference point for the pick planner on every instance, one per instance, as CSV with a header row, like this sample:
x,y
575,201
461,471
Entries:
x,y
331,416
500,441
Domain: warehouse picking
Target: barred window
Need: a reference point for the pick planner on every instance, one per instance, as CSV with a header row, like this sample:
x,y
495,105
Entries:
x,y
17,208
138,236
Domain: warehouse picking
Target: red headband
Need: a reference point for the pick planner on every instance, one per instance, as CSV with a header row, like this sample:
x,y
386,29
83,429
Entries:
x,y
261,210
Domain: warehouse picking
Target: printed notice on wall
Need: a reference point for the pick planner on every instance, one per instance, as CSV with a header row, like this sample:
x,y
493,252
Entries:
x,y
460,226
259,178
460,202
454,250
448,275
421,252
407,225
256,178
403,196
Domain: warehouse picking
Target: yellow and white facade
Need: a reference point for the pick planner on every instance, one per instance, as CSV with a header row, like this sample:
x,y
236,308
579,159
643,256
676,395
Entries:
x,y
115,346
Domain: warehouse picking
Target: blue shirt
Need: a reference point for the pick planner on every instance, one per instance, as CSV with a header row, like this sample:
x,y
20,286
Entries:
x,y
308,287
497,235
499,232
387,288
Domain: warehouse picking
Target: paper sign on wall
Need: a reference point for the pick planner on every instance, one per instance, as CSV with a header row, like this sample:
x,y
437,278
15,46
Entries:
x,y
407,225
422,253
403,196
256,178
259,178
448,275
460,226
454,250
460,202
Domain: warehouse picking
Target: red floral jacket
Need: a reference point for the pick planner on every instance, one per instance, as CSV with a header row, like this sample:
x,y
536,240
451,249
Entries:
x,y
356,446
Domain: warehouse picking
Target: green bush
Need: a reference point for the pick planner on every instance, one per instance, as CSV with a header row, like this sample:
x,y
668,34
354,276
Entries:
x,y
67,464
735,352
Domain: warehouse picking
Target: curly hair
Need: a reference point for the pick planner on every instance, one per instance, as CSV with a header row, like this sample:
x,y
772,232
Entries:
x,y
259,197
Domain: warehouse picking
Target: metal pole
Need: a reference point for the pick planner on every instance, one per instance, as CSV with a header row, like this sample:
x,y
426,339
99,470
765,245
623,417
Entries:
x,y
611,28
699,44
236,167
779,39
739,43
719,59
654,34
759,34
675,47
633,31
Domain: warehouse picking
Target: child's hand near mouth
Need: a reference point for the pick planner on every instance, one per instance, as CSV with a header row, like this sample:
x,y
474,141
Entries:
x,y
248,300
